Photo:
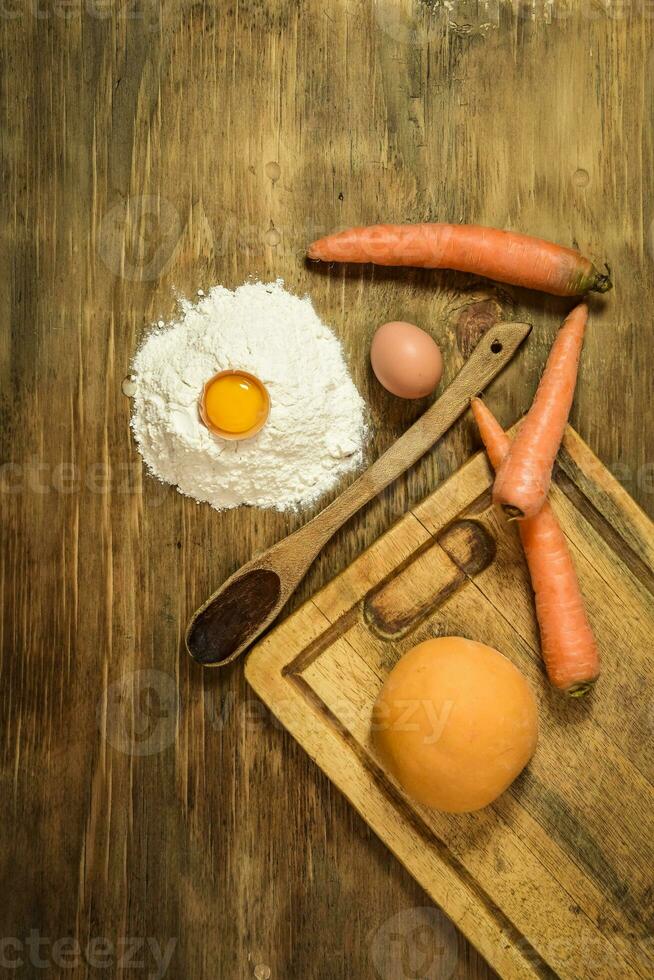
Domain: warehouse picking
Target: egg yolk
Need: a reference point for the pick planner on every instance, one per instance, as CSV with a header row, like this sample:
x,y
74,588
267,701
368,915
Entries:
x,y
235,403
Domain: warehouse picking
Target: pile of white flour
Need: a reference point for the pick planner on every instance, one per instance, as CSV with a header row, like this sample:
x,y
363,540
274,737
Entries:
x,y
316,428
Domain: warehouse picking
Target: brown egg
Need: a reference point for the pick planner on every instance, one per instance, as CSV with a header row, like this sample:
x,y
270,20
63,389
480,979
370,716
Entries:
x,y
455,723
406,360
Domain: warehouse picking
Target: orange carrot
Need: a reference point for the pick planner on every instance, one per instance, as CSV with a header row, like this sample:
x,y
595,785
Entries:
x,y
568,645
524,477
501,255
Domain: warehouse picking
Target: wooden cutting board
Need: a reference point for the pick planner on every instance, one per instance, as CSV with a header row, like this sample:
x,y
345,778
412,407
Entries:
x,y
557,874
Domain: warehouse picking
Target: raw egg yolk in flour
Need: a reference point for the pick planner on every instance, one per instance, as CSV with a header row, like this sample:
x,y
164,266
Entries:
x,y
234,404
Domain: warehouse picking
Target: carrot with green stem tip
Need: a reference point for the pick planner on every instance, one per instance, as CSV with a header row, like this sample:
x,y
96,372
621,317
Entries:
x,y
567,641
505,256
524,477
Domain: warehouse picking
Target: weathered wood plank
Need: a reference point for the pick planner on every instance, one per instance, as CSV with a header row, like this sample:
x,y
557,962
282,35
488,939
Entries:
x,y
152,147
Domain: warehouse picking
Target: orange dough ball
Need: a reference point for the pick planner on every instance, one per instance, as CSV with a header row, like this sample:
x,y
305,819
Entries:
x,y
455,723
406,360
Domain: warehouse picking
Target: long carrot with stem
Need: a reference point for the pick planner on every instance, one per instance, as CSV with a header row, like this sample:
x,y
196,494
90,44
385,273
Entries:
x,y
524,477
505,256
567,641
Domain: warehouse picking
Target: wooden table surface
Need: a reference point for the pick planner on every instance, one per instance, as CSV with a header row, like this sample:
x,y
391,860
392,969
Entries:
x,y
153,812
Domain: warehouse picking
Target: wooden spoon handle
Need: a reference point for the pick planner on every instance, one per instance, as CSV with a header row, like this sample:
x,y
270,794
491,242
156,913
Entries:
x,y
492,353
234,616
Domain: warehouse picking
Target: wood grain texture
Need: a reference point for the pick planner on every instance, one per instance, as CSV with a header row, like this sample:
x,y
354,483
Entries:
x,y
150,147
555,876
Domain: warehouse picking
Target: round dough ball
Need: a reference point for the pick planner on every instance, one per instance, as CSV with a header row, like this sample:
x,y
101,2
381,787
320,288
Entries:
x,y
455,723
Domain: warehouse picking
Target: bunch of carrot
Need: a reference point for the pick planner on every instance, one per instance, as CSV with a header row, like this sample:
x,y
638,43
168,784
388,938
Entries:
x,y
524,467
523,476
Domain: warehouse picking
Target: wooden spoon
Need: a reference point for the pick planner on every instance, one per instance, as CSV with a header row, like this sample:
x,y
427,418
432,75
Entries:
x,y
234,616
